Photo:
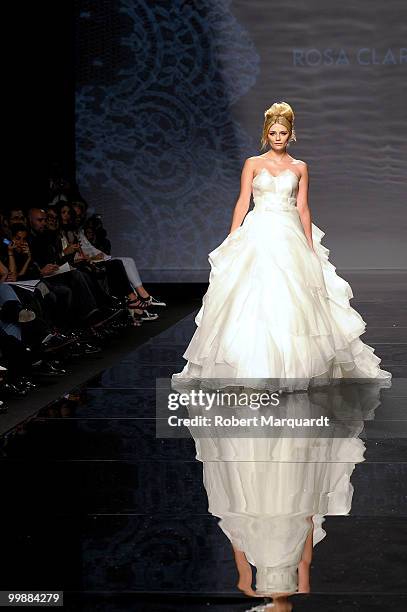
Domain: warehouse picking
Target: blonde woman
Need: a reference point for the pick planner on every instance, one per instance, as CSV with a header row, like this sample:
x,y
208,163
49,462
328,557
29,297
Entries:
x,y
275,307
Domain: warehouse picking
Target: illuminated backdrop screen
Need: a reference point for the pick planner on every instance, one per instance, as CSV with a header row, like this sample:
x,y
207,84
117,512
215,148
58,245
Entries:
x,y
170,100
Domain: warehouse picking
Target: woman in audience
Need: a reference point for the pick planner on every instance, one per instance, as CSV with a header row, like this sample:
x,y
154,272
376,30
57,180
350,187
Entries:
x,y
20,263
94,243
69,247
118,282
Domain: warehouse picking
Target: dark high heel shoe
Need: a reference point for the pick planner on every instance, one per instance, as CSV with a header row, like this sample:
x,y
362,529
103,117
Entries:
x,y
139,305
150,300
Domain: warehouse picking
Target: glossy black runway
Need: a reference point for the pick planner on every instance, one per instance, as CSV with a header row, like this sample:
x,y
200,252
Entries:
x,y
95,505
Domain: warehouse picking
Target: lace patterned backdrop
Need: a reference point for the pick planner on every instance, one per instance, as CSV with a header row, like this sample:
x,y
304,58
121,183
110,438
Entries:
x,y
170,101
159,151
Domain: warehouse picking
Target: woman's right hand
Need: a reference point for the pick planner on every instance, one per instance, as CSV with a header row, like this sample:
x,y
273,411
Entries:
x,y
26,250
71,248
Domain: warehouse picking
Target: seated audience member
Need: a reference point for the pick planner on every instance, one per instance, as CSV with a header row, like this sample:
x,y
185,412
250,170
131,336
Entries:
x,y
97,235
93,226
69,250
117,278
16,216
68,243
45,255
94,243
20,263
52,219
80,209
21,267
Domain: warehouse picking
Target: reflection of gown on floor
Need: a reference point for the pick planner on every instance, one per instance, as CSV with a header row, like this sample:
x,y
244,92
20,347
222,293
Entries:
x,y
274,308
266,489
263,508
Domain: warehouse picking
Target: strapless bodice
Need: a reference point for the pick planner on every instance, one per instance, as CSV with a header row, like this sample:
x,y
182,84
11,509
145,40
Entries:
x,y
275,193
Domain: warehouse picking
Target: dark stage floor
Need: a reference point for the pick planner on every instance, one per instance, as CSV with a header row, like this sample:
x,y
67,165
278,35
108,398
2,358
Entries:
x,y
95,505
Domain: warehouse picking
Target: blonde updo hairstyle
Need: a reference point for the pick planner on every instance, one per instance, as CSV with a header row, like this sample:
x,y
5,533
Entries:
x,y
282,113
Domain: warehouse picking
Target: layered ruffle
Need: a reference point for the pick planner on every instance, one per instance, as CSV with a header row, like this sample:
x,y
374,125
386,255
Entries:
x,y
275,309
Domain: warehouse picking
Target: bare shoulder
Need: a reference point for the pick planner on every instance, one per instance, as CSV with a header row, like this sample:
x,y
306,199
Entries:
x,y
249,165
255,159
302,166
300,163
252,163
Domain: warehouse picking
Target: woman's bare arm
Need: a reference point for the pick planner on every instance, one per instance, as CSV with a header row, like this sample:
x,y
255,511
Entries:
x,y
243,201
302,204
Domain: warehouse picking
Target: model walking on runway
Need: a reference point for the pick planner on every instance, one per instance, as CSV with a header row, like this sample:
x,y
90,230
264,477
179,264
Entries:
x,y
275,307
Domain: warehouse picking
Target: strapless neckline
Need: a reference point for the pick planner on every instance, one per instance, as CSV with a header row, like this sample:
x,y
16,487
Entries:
x,y
275,175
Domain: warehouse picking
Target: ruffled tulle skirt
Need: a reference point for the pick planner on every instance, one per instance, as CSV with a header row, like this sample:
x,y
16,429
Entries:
x,y
276,310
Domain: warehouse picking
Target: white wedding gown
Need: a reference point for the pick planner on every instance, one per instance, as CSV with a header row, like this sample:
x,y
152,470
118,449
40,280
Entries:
x,y
275,309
